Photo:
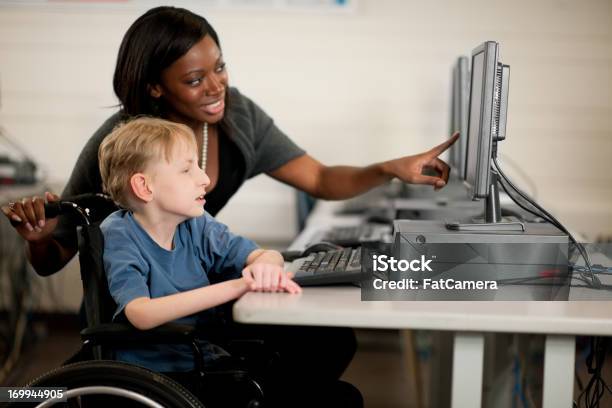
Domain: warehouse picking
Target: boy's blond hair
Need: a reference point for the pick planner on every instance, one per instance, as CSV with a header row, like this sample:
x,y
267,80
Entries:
x,y
131,146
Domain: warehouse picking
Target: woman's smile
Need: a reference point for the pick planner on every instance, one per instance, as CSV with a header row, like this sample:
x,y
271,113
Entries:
x,y
214,108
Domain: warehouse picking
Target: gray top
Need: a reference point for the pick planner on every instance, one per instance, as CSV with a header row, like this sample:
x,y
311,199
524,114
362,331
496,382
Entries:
x,y
262,148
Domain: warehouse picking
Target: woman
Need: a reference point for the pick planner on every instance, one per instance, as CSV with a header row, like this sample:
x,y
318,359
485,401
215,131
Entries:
x,y
170,65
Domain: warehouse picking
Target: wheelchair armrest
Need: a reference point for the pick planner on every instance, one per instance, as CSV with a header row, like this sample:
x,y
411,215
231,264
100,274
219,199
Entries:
x,y
122,334
253,352
244,347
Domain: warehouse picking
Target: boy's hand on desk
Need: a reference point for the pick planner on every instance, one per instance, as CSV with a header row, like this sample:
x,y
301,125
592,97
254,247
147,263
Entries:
x,y
410,168
262,277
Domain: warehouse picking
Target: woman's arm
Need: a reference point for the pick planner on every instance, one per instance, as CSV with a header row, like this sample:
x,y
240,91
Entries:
x,y
341,182
49,256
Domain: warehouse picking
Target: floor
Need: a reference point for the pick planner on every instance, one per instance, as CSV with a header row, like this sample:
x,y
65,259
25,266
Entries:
x,y
378,356
378,369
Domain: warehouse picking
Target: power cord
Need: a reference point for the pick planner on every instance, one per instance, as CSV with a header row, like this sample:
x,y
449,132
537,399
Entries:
x,y
596,387
592,279
522,173
535,281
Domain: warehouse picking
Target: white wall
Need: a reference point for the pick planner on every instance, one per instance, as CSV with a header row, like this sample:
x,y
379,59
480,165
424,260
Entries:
x,y
350,89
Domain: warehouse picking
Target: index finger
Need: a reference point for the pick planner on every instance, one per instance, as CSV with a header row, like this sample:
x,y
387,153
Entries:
x,y
439,149
39,210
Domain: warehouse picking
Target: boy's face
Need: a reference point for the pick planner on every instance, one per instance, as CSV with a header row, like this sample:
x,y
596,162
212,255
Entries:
x,y
178,185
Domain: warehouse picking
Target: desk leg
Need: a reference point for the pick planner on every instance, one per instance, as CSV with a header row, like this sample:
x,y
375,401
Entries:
x,y
559,364
440,372
414,367
468,358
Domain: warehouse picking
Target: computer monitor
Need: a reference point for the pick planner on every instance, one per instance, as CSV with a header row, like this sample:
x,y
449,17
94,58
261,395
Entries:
x,y
488,105
460,96
481,118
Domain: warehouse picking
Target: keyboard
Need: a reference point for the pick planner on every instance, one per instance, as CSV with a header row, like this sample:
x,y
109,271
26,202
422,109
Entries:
x,y
376,197
348,236
328,268
352,236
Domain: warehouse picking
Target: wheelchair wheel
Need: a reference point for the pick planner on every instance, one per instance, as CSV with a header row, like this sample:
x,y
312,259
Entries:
x,y
102,383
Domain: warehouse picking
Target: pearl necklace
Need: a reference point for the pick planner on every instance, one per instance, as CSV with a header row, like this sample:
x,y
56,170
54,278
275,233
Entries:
x,y
204,146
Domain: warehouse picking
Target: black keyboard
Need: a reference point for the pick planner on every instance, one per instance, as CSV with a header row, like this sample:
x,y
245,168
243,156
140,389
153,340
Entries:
x,y
331,267
348,236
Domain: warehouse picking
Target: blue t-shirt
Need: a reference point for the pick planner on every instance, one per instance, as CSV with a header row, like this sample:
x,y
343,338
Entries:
x,y
204,250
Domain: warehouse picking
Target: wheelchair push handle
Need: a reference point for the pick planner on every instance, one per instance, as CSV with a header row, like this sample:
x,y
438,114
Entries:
x,y
78,205
81,209
67,207
53,209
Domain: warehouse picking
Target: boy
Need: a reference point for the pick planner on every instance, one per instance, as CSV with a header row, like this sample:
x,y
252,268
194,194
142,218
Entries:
x,y
162,252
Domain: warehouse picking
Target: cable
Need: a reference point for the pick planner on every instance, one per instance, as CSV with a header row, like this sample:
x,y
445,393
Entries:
x,y
534,282
596,387
551,221
522,205
597,269
595,282
524,175
543,213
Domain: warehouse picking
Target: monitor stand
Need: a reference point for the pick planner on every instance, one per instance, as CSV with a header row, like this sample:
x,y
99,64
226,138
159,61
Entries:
x,y
492,220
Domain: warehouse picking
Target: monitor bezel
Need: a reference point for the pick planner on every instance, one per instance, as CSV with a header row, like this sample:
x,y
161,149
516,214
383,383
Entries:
x,y
479,187
462,101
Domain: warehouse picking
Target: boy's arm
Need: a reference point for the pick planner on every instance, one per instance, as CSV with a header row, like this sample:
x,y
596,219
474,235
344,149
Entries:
x,y
265,256
263,271
146,313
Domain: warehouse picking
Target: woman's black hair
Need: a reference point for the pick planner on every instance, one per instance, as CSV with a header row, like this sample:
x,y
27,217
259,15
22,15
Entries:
x,y
152,43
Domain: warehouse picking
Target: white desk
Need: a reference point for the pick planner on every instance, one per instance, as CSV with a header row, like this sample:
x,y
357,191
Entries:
x,y
342,306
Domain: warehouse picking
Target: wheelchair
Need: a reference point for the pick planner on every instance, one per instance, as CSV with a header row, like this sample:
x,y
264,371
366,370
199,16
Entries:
x,y
92,378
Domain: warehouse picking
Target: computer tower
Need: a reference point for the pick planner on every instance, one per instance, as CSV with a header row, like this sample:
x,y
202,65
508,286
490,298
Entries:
x,y
527,265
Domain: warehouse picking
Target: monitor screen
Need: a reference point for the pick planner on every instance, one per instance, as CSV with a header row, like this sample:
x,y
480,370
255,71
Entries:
x,y
481,109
